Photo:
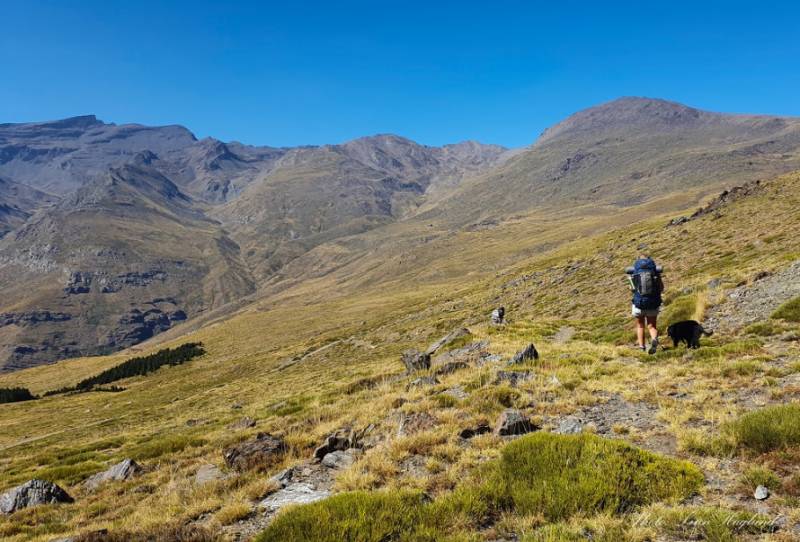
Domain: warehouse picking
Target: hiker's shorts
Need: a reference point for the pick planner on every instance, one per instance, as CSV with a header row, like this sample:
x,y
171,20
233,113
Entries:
x,y
647,313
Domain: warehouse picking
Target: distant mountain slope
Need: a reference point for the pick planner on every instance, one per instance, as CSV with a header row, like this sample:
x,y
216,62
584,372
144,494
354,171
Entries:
x,y
151,220
628,151
18,202
126,256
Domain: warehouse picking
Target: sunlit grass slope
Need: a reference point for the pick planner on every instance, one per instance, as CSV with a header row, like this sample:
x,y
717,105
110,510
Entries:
x,y
314,357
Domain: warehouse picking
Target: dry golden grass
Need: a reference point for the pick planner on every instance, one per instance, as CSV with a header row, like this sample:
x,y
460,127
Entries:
x,y
302,362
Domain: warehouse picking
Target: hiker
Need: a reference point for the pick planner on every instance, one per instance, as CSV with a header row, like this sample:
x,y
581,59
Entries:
x,y
645,282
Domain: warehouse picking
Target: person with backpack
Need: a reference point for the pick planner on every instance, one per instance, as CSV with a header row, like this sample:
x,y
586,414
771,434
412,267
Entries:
x,y
645,282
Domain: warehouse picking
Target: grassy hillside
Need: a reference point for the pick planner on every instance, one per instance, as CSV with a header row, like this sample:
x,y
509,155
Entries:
x,y
317,356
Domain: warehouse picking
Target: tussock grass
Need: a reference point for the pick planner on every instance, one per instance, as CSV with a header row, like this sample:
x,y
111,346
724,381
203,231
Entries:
x,y
766,429
789,311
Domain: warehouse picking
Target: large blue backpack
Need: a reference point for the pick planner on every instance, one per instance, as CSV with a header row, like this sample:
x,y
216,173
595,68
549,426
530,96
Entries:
x,y
647,284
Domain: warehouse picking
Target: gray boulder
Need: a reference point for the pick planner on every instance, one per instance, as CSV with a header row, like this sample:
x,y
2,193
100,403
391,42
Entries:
x,y
298,493
414,360
498,315
338,459
761,493
513,422
32,493
261,452
570,426
124,470
339,441
526,354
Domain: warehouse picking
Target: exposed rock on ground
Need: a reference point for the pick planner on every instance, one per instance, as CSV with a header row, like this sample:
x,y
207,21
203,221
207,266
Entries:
x,y
480,429
32,493
261,452
527,353
123,470
339,459
447,340
414,360
514,422
755,302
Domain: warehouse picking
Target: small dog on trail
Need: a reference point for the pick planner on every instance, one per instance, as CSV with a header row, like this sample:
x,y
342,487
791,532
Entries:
x,y
688,331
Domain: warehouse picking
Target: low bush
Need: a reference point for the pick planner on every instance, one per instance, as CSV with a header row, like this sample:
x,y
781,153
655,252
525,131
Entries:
x,y
767,429
789,311
553,476
15,395
760,476
559,476
357,517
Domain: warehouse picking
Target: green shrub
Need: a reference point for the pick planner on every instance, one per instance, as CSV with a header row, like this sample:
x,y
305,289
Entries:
x,y
356,517
15,395
762,329
559,476
760,476
767,429
789,311
556,476
743,367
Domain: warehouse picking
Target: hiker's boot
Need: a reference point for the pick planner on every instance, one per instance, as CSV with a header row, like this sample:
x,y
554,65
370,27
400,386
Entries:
x,y
653,346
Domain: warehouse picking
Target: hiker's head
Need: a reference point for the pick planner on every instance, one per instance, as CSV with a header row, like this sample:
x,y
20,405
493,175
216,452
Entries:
x,y
644,256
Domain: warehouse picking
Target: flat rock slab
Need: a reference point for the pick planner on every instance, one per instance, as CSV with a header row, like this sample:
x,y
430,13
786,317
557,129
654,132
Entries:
x,y
32,493
263,451
298,493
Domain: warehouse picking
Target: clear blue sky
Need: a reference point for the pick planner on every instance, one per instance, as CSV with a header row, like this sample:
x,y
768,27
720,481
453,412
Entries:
x,y
293,73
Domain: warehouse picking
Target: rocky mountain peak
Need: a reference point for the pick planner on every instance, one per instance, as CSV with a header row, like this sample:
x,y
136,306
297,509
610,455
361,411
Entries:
x,y
630,114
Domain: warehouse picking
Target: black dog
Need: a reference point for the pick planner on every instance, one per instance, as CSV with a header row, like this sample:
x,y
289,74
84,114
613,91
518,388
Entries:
x,y
687,331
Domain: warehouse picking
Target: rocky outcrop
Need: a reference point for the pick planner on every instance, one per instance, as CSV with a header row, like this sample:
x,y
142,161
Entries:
x,y
513,422
32,493
123,470
341,440
27,319
259,453
447,340
526,354
414,361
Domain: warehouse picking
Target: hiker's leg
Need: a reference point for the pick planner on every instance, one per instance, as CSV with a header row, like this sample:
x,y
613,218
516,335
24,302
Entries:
x,y
640,331
652,326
